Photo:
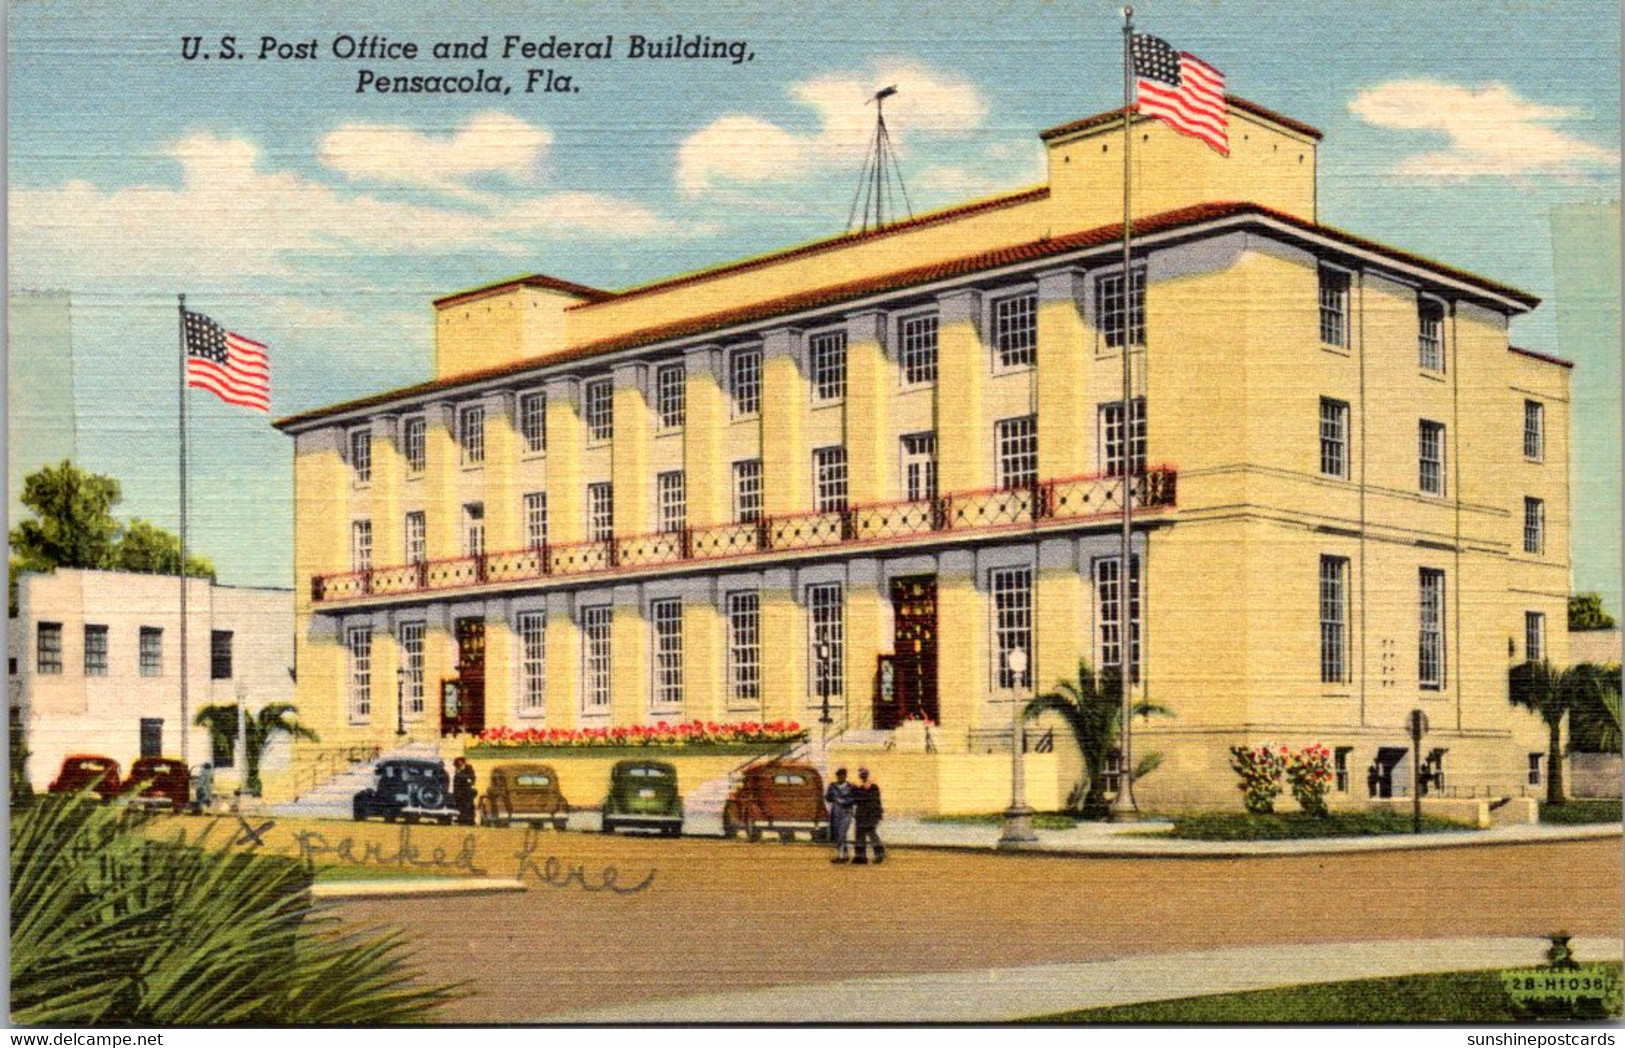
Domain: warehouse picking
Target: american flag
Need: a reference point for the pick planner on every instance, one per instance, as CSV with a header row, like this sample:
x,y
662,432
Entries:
x,y
233,368
1181,90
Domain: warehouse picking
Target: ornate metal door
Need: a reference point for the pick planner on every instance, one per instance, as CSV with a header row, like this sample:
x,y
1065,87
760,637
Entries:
x,y
466,712
914,661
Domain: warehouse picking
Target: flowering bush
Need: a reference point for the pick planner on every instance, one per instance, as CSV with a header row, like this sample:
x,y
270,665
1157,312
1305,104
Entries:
x,y
1260,769
1309,773
672,736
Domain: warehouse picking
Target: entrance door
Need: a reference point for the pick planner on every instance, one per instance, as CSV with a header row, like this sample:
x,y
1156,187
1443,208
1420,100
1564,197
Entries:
x,y
1381,778
914,664
465,710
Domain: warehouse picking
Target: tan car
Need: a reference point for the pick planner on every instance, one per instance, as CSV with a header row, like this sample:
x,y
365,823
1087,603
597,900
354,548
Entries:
x,y
526,793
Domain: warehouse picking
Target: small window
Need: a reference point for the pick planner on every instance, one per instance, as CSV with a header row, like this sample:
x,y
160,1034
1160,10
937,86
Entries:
x,y
598,397
536,519
1430,656
745,381
748,491
1114,315
666,625
95,651
595,658
220,654
671,395
744,649
1430,334
151,651
1534,635
532,630
1340,768
417,537
1334,438
1111,437
361,455
1334,307
414,433
827,359
1015,330
1534,526
361,545
474,529
471,434
1108,593
358,642
829,479
1334,620
673,497
1430,455
411,637
919,455
1012,590
917,349
1536,760
533,420
600,512
1016,441
1534,430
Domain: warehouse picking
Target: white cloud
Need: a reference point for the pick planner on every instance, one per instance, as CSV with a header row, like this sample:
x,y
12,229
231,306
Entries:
x,y
1492,132
740,148
390,154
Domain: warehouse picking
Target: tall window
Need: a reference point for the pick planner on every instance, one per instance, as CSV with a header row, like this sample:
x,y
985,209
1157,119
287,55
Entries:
x,y
1534,526
595,650
1430,654
826,634
533,420
471,433
598,399
412,658
673,495
361,545
536,519
1334,307
48,649
1430,334
96,652
1534,430
361,454
666,621
150,650
671,395
1334,438
919,466
1108,591
917,349
1430,456
1016,442
826,353
1534,635
358,639
1012,623
532,628
1334,619
829,480
1116,316
414,441
1015,330
745,380
219,654
600,512
417,537
474,529
744,649
748,491
1111,437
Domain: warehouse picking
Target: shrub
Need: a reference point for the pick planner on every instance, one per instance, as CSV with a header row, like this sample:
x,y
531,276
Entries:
x,y
1309,773
1260,768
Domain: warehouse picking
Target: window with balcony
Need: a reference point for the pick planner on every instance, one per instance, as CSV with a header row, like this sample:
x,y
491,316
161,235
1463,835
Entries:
x,y
917,349
358,642
1430,334
1016,447
150,650
1012,590
1534,635
919,454
1334,438
826,634
595,659
1117,315
414,444
533,421
96,651
666,626
598,400
745,381
744,650
829,480
361,545
474,529
532,630
1430,648
826,356
600,512
417,537
1534,430
1534,525
361,455
1334,307
1015,331
471,434
671,491
411,636
1334,620
220,654
1111,437
1108,611
1430,455
536,519
671,395
748,491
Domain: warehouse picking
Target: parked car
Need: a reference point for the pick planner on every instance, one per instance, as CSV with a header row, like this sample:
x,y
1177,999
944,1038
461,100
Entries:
x,y
523,793
83,769
409,789
159,782
643,795
776,797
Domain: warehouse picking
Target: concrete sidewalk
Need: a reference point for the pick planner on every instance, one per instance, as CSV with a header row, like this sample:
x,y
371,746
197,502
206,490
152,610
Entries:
x,y
1009,994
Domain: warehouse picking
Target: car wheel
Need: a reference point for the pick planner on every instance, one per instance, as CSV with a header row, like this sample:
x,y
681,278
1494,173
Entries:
x,y
607,827
559,824
358,808
753,832
412,820
673,831
787,836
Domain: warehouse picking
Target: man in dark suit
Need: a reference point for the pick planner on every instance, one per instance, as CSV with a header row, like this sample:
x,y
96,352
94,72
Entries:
x,y
463,791
867,813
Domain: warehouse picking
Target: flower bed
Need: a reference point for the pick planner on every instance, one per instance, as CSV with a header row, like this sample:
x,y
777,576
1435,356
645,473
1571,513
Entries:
x,y
689,736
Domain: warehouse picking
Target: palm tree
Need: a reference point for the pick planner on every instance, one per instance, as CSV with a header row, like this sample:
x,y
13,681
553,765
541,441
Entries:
x,y
277,718
1551,694
1092,707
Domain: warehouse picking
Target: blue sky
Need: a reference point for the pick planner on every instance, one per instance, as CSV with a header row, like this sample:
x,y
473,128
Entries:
x,y
257,186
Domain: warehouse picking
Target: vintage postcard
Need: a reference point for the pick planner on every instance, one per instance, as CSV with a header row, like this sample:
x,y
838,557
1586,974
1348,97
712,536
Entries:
x,y
846,513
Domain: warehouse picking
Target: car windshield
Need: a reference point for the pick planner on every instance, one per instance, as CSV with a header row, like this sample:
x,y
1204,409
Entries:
x,y
789,780
649,773
531,780
88,765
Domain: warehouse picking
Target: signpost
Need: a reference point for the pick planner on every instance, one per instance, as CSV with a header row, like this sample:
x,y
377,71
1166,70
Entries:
x,y
1419,728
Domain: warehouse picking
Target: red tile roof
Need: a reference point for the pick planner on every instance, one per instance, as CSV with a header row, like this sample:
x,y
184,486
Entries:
x,y
1235,103
1547,357
458,298
1045,247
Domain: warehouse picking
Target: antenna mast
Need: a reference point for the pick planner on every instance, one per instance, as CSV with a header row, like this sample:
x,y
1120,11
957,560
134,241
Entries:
x,y
874,199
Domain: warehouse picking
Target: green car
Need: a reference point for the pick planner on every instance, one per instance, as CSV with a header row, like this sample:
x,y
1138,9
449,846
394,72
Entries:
x,y
643,795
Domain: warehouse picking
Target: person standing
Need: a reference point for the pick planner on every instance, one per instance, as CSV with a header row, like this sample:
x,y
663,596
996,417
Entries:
x,y
840,799
205,787
868,812
463,791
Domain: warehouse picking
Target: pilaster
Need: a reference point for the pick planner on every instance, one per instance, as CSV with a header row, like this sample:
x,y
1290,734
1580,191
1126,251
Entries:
x,y
503,530
629,450
705,474
566,437
1064,416
786,461
870,461
964,441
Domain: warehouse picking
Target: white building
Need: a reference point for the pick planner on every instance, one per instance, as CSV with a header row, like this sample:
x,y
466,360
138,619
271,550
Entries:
x,y
94,664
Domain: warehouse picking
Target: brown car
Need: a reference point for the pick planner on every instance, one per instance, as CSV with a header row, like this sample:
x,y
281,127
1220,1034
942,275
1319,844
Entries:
x,y
82,770
777,798
159,782
523,793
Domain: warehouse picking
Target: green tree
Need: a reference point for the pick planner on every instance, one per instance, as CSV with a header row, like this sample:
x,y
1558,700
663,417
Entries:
x,y
145,546
277,718
1587,613
73,525
1551,694
1594,726
1092,707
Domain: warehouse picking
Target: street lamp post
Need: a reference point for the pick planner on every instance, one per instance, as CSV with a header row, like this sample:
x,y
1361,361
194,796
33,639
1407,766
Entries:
x,y
822,652
400,701
1018,820
239,749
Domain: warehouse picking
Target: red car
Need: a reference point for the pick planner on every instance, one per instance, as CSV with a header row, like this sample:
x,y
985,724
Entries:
x,y
159,782
82,770
777,798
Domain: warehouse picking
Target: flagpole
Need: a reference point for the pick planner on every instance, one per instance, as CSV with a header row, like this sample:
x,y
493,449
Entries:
x,y
181,395
1123,807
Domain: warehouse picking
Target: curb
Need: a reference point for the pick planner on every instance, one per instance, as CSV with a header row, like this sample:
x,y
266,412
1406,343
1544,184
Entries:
x,y
410,886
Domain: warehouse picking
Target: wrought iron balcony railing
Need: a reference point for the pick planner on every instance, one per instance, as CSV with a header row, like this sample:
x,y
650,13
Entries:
x,y
1047,503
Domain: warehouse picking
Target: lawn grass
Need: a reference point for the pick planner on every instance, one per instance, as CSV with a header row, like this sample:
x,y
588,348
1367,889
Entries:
x,y
1580,812
1449,997
1240,826
329,874
1044,820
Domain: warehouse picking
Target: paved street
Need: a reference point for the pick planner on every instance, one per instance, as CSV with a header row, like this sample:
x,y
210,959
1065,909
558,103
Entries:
x,y
720,917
